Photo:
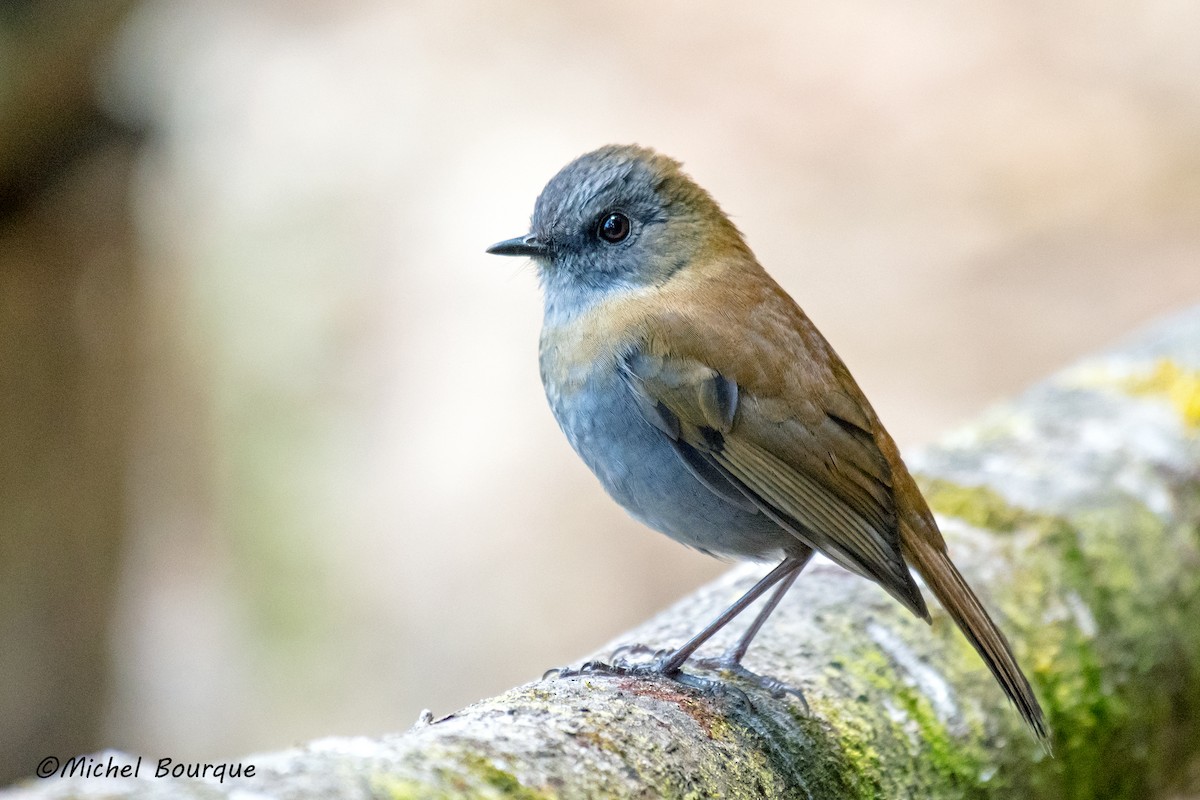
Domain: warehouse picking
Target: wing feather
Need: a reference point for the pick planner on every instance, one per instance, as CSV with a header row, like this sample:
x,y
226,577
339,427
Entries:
x,y
815,469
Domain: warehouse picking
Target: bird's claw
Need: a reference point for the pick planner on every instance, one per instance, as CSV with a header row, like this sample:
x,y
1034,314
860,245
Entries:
x,y
773,686
621,654
619,666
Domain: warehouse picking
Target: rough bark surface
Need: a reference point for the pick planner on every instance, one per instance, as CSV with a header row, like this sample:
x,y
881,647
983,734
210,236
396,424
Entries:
x,y
1074,510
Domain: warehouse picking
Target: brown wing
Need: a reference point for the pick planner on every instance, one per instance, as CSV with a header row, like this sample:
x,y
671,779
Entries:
x,y
809,460
767,416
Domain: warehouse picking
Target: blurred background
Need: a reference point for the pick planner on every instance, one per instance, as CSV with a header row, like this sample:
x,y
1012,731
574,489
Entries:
x,y
275,461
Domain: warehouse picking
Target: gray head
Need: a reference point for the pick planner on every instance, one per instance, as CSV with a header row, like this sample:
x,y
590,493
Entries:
x,y
619,217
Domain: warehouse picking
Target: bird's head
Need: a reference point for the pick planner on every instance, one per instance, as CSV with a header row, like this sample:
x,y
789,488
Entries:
x,y
619,218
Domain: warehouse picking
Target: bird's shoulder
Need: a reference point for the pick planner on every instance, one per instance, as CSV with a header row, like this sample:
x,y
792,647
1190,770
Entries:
x,y
725,316
735,319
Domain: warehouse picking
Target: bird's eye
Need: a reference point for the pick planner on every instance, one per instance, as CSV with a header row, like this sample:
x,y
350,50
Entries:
x,y
613,228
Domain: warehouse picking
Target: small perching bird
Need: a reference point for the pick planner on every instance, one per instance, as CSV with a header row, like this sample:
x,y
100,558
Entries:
x,y
713,410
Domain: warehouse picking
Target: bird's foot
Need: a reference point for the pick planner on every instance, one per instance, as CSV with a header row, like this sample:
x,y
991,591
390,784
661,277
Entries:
x,y
645,669
728,666
628,659
618,663
643,661
639,661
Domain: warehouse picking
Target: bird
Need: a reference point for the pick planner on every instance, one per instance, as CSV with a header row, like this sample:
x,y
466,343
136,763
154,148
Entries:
x,y
711,408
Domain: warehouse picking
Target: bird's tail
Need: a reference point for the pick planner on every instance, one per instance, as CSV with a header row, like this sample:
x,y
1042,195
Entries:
x,y
972,619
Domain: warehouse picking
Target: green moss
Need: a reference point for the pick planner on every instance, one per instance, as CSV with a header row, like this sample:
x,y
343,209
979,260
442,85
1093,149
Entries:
x,y
951,762
1072,622
979,506
476,776
1090,627
857,758
1094,616
505,783
401,789
946,767
1087,718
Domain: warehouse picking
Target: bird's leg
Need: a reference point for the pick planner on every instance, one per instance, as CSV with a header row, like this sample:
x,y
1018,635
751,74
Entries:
x,y
733,656
788,567
669,662
731,660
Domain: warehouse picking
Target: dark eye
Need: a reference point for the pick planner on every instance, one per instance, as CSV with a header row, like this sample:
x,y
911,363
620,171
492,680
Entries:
x,y
613,228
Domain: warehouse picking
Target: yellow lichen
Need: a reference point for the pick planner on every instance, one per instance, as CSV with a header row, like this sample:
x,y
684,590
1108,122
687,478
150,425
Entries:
x,y
1180,386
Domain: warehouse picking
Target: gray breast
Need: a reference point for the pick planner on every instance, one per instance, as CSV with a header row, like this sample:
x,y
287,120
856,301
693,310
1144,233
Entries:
x,y
640,469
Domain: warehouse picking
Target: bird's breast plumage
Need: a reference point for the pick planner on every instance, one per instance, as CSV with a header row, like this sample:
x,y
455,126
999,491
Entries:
x,y
637,466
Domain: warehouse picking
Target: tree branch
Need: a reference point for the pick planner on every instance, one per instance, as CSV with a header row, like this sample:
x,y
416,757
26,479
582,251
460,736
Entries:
x,y
1073,510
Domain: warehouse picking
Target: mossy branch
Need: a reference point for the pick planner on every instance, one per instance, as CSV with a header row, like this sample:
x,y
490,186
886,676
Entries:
x,y
1075,512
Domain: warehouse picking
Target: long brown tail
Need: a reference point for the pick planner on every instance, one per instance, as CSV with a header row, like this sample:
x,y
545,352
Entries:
x,y
972,619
